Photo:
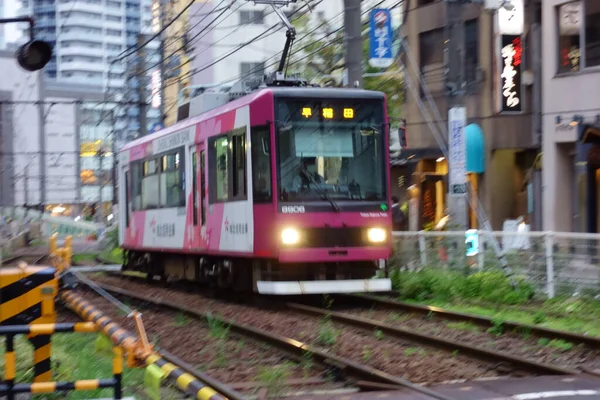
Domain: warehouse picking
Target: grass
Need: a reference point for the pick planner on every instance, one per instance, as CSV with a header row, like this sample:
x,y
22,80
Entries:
x,y
114,256
490,294
81,257
274,378
463,326
75,356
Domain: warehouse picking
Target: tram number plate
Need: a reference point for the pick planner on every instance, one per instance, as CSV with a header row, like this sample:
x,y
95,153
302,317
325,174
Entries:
x,y
459,189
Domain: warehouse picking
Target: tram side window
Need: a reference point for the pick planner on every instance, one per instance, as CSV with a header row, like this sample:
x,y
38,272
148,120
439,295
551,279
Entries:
x,y
239,166
172,193
227,167
150,184
261,164
220,152
136,182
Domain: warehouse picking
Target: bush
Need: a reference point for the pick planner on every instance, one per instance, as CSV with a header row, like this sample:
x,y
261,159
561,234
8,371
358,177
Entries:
x,y
112,238
443,285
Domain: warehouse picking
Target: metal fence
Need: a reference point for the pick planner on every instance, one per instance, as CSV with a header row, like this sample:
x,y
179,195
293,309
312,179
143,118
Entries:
x,y
557,263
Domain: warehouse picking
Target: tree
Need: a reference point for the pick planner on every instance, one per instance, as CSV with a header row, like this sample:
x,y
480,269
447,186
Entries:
x,y
321,61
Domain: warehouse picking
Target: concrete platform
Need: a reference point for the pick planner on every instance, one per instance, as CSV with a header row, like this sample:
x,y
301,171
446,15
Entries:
x,y
581,387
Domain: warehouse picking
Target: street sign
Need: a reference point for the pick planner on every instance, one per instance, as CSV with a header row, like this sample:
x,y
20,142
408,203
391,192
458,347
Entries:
x,y
457,117
380,38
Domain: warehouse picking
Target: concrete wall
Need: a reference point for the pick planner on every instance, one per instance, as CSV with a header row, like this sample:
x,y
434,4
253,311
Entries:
x,y
564,95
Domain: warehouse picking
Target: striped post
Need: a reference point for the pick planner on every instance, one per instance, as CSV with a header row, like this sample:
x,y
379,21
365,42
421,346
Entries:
x,y
120,337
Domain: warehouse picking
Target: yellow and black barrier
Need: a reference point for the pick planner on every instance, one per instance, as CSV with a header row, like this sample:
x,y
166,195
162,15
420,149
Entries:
x,y
9,388
183,380
27,297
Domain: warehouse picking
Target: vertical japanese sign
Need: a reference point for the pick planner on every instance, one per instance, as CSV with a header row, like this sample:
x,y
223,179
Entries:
x,y
510,74
457,117
380,38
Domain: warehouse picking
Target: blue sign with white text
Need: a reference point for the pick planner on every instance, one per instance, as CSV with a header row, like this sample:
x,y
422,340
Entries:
x,y
380,38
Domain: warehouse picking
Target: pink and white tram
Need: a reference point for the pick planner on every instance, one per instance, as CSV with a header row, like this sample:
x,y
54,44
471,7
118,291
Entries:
x,y
283,191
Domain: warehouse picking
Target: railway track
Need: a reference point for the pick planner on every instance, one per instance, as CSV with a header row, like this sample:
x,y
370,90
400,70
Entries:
x,y
355,376
29,259
367,301
501,361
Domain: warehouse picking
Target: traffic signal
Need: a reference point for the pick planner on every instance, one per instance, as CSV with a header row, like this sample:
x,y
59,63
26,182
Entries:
x,y
34,55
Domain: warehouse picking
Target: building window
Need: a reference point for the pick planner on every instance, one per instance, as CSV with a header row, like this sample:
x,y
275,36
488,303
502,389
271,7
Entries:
x,y
252,69
578,35
431,47
255,17
471,50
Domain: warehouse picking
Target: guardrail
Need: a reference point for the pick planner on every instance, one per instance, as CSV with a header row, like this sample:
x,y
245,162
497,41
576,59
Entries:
x,y
10,389
563,263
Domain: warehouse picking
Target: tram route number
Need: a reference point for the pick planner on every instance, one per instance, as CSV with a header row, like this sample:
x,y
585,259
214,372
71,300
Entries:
x,y
165,230
293,209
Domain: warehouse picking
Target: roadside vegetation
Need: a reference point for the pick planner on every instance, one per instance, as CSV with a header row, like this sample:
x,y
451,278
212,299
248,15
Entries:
x,y
490,293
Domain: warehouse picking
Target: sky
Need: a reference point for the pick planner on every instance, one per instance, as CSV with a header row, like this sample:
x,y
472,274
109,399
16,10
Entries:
x,y
11,34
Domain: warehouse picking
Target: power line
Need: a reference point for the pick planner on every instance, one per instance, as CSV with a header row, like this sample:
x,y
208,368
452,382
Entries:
x,y
134,48
185,45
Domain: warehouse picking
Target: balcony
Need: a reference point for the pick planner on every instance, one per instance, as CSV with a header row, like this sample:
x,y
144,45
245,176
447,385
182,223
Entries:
x,y
84,22
81,35
82,66
80,50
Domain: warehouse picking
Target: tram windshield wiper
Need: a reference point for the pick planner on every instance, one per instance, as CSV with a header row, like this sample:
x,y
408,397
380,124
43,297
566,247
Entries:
x,y
320,191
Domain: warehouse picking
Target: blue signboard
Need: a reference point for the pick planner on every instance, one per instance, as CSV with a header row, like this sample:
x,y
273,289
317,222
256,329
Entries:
x,y
157,126
380,38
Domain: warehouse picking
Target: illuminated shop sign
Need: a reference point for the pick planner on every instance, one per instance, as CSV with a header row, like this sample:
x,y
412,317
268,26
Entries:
x,y
510,73
511,22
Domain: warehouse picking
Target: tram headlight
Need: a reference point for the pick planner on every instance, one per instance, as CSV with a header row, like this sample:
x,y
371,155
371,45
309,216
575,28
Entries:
x,y
290,236
376,235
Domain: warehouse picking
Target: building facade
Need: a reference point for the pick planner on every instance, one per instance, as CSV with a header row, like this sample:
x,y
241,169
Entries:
x,y
54,154
502,105
571,108
86,36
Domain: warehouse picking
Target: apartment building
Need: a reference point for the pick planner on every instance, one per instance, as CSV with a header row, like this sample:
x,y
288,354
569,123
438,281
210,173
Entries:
x,y
571,109
502,104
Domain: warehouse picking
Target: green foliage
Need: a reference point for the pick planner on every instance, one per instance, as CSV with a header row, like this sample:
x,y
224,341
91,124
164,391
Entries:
x,y
322,62
497,327
556,343
327,334
274,378
463,326
112,238
446,286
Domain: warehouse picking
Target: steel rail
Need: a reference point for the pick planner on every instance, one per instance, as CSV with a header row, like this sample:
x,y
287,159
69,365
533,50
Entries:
x,y
289,345
191,384
480,353
538,331
6,262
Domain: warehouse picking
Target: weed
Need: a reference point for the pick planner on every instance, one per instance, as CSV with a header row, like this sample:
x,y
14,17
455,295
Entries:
x,y
306,364
560,344
539,318
367,353
327,333
497,327
430,315
180,320
240,346
463,326
378,334
526,333
218,329
455,353
414,350
544,341
274,378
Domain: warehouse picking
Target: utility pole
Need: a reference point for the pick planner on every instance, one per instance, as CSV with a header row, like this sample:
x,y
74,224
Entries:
x,y
100,155
162,61
142,82
457,115
353,51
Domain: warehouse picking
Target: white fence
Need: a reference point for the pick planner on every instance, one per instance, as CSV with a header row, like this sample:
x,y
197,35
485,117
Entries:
x,y
558,263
